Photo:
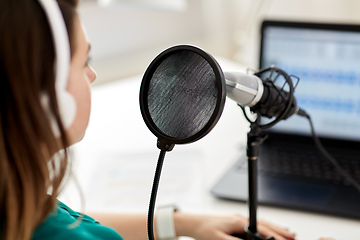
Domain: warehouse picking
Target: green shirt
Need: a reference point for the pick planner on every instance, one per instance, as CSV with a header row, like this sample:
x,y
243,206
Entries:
x,y
56,227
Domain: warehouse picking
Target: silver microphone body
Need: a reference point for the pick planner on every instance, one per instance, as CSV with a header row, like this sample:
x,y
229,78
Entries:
x,y
261,96
243,88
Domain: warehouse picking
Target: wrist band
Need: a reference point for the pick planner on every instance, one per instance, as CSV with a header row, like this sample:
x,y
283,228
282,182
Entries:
x,y
165,227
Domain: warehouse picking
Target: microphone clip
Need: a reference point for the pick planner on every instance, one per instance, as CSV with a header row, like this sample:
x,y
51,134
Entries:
x,y
278,101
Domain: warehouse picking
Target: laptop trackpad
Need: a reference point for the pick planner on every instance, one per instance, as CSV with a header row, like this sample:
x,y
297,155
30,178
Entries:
x,y
291,192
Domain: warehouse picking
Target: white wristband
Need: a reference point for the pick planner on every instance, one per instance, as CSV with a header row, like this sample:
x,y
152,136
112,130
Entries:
x,y
165,227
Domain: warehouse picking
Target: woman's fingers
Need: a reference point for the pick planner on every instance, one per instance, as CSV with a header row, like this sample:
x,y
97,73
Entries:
x,y
279,230
267,232
224,236
267,228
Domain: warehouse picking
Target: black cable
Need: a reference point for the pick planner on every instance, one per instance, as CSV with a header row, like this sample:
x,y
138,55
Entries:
x,y
327,154
245,114
150,223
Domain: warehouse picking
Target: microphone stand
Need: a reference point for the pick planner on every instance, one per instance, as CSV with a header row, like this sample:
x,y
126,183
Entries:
x,y
254,139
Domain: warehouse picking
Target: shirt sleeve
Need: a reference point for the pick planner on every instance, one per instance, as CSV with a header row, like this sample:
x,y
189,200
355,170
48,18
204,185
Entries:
x,y
60,224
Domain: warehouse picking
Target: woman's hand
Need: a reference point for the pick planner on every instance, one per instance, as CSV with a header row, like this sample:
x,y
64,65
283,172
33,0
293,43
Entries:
x,y
326,239
202,227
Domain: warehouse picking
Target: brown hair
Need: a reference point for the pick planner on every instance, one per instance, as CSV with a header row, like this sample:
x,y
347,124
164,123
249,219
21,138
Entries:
x,y
30,175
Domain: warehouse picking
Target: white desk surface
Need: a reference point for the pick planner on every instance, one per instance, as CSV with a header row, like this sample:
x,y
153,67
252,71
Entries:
x,y
116,161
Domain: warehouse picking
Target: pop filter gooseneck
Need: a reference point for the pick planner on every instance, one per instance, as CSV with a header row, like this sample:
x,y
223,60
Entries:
x,y
182,96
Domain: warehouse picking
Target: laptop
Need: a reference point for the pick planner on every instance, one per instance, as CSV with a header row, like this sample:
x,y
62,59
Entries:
x,y
292,172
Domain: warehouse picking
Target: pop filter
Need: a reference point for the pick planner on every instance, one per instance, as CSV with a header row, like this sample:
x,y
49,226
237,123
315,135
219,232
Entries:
x,y
182,96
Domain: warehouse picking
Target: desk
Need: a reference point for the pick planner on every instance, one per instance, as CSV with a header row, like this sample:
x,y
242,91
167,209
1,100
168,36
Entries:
x,y
115,164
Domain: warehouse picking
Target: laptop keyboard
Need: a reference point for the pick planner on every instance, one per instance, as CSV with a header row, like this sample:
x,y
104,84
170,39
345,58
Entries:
x,y
305,165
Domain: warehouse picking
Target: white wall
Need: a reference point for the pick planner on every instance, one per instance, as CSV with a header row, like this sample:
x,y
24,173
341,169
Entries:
x,y
328,11
126,38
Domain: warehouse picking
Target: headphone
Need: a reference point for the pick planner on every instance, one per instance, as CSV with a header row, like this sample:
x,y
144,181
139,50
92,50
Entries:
x,y
65,101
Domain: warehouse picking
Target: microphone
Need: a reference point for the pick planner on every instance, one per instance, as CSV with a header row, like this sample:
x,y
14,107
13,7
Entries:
x,y
262,96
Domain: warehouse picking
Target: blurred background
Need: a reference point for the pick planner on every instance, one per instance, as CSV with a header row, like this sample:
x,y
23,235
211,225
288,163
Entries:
x,y
116,160
127,34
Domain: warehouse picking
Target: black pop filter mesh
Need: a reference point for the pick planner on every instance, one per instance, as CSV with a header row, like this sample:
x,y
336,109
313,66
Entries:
x,y
182,94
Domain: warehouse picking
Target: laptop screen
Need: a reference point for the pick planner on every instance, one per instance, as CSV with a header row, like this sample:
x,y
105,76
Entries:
x,y
326,58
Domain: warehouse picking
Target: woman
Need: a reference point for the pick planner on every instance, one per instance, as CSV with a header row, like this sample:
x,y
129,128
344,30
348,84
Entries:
x,y
33,129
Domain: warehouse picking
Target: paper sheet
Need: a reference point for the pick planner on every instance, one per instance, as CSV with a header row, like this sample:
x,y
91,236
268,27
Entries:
x,y
123,182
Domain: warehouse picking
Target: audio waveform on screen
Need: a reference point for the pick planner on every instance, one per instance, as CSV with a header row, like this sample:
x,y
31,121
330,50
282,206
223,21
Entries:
x,y
324,75
328,104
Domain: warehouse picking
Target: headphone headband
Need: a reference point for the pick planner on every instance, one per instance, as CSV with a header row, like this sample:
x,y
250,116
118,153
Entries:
x,y
66,102
61,42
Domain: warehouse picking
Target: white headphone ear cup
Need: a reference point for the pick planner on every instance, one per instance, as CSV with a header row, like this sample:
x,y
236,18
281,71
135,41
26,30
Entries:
x,y
67,108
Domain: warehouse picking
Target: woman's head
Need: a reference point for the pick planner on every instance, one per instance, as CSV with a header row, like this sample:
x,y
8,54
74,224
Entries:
x,y
27,141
